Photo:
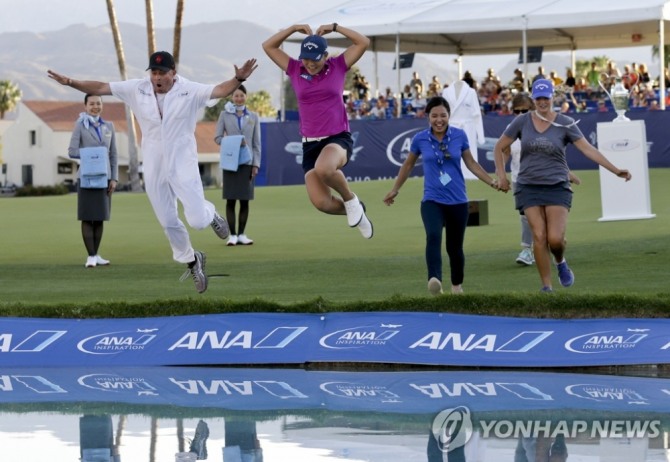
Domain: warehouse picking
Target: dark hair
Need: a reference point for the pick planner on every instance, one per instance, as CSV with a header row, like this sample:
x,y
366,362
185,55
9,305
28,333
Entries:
x,y
243,88
436,101
523,99
87,95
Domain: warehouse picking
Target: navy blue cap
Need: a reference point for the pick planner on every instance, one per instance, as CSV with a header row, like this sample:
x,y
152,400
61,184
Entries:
x,y
313,47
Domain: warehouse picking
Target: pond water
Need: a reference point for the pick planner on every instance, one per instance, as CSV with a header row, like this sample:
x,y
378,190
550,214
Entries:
x,y
252,415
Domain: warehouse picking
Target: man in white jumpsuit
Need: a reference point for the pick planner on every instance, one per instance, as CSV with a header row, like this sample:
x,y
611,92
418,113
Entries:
x,y
166,106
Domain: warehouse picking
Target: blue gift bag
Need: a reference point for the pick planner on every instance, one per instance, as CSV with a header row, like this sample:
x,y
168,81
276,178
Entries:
x,y
230,152
93,167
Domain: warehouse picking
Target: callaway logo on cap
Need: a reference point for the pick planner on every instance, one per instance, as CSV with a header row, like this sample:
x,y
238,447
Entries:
x,y
543,88
313,47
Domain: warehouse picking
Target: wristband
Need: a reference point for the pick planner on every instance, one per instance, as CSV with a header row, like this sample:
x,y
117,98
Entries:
x,y
334,27
239,79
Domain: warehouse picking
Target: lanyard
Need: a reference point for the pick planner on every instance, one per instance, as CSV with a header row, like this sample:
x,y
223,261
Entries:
x,y
441,151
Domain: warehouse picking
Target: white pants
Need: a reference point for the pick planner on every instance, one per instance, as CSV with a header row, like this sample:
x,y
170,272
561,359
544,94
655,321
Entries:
x,y
163,194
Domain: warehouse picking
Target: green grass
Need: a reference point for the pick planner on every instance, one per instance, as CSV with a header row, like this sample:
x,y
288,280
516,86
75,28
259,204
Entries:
x,y
303,260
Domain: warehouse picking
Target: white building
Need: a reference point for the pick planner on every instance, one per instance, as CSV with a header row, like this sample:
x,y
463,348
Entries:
x,y
35,144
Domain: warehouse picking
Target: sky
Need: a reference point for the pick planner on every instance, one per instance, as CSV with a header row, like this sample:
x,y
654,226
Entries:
x,y
51,15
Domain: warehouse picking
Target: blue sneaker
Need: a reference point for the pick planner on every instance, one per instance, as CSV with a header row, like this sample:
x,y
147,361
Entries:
x,y
547,290
565,274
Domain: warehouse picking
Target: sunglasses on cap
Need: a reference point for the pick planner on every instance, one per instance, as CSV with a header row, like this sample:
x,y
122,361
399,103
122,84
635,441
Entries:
x,y
520,111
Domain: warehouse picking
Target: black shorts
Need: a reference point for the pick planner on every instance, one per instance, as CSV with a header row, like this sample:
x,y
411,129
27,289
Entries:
x,y
312,149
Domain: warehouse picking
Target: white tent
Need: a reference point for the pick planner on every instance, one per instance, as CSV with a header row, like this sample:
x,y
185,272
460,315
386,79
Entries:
x,y
469,27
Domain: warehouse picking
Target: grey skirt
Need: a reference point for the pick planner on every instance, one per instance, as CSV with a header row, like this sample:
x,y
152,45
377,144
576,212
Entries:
x,y
93,204
238,185
530,195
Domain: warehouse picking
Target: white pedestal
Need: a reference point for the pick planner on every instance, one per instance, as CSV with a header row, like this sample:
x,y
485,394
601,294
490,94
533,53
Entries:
x,y
625,145
623,449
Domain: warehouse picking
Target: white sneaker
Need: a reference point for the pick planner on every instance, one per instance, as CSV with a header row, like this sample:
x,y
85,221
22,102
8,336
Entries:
x,y
526,257
457,290
91,262
365,225
435,286
354,211
242,239
101,261
232,240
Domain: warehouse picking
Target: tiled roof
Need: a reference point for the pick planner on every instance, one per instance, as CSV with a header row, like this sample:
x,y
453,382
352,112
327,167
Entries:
x,y
60,117
204,136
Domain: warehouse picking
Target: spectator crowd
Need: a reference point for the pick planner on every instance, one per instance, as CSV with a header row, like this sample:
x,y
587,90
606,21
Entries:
x,y
574,93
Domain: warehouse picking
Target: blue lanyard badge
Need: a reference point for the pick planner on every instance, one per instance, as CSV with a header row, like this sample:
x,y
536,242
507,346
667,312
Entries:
x,y
442,153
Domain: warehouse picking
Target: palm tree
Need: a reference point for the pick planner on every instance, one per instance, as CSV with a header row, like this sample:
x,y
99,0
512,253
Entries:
x,y
666,54
133,170
177,30
10,95
151,35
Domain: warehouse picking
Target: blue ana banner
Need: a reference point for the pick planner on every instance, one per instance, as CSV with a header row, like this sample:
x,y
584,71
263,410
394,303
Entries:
x,y
395,337
413,392
381,146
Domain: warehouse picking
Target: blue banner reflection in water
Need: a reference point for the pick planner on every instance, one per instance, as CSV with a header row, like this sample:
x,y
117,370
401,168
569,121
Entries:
x,y
246,414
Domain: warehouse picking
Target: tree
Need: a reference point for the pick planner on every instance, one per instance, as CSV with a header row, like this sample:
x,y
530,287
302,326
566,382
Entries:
x,y
10,95
151,34
259,102
133,170
666,54
290,100
583,66
177,30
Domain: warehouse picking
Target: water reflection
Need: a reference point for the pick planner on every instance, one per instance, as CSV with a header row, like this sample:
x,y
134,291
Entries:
x,y
251,415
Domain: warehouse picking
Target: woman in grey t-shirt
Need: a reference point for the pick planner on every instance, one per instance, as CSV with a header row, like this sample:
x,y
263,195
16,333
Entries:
x,y
543,188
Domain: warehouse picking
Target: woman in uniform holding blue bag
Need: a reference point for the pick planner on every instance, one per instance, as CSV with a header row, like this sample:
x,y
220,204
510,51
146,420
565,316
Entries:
x,y
241,129
93,141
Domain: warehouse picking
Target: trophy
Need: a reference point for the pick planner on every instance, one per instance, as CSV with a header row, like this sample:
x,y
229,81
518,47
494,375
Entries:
x,y
619,96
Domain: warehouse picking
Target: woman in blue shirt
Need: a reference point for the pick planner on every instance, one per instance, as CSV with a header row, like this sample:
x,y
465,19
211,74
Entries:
x,y
445,201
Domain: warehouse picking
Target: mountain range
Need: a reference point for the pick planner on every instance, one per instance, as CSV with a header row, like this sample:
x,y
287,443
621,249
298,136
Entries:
x,y
208,53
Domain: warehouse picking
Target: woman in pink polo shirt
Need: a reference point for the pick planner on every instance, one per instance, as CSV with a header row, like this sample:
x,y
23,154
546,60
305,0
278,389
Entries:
x,y
318,82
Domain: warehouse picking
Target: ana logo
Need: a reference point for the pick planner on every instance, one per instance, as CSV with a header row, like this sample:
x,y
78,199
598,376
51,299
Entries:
x,y
398,148
115,383
361,336
601,393
452,428
32,343
112,343
359,391
606,341
624,145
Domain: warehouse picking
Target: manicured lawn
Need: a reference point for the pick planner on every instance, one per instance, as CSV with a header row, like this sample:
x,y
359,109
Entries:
x,y
301,255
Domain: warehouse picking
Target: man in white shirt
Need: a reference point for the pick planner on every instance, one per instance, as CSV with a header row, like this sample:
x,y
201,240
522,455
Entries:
x,y
166,106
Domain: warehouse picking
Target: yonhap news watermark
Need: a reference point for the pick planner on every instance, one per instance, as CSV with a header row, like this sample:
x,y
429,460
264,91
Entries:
x,y
453,428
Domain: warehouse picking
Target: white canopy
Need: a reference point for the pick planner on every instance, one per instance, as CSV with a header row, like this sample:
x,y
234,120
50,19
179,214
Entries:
x,y
463,27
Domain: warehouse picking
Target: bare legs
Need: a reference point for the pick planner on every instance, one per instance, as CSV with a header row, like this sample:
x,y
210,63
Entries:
x,y
326,175
548,224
